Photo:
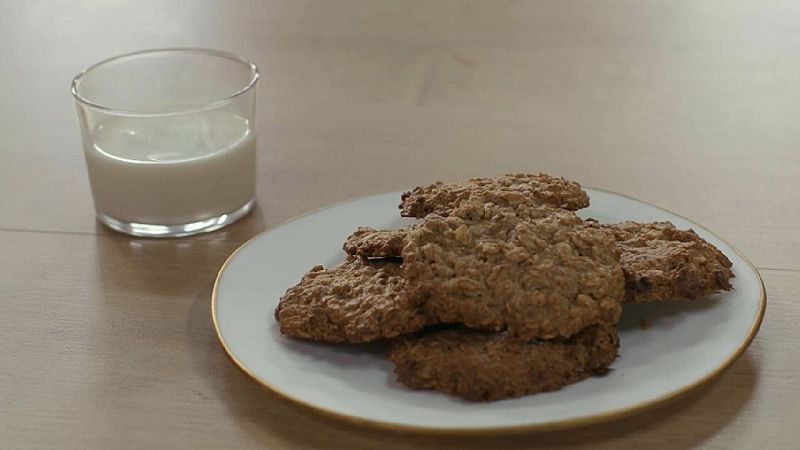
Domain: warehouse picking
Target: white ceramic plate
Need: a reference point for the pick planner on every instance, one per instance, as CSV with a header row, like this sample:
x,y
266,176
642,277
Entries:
x,y
687,345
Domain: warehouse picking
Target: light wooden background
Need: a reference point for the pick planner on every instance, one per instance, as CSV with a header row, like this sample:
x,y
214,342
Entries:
x,y
106,341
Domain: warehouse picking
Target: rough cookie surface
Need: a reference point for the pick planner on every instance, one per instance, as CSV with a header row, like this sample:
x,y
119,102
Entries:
x,y
661,262
482,366
505,190
357,301
375,243
539,278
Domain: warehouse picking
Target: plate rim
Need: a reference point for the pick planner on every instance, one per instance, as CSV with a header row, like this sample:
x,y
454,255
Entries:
x,y
495,430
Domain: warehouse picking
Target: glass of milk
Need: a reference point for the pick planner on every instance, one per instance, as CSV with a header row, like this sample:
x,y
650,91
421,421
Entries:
x,y
169,138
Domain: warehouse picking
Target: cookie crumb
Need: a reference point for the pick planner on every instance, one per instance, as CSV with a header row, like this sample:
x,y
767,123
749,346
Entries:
x,y
645,324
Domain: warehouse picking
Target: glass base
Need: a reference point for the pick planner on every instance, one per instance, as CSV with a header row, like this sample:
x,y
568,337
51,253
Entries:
x,y
180,230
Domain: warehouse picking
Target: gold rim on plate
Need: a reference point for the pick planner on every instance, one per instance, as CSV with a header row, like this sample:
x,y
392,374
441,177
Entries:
x,y
541,426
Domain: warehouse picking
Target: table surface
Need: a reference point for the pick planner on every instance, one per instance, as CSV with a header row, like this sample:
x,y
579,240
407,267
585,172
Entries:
x,y
106,340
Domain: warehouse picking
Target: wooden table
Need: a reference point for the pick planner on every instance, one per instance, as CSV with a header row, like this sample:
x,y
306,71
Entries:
x,y
106,340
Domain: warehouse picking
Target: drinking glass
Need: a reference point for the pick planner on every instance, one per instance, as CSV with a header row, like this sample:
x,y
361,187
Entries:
x,y
169,138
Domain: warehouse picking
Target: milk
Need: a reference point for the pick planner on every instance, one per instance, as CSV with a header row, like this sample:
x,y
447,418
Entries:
x,y
171,170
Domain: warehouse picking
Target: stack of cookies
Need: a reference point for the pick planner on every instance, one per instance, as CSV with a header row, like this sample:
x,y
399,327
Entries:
x,y
500,290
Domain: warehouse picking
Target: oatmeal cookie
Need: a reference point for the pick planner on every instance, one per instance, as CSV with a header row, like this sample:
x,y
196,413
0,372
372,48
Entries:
x,y
372,243
506,190
359,300
483,366
661,262
538,278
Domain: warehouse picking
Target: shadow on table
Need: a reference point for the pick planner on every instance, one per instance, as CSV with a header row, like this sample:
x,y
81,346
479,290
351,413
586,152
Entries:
x,y
168,267
686,421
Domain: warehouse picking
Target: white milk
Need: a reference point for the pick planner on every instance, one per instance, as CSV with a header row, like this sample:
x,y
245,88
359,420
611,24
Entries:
x,y
172,170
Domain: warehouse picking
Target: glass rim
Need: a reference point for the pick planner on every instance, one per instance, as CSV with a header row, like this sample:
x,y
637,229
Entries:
x,y
255,75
